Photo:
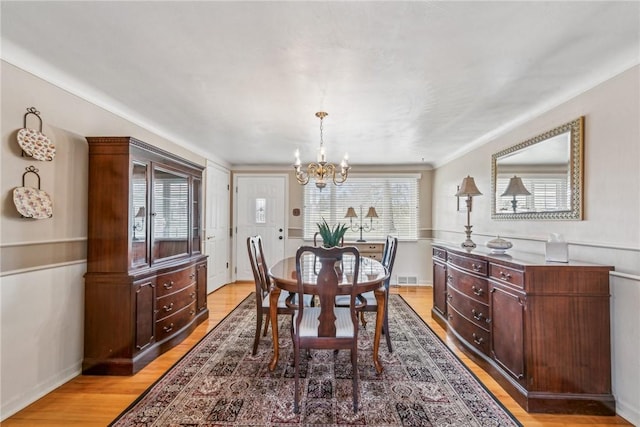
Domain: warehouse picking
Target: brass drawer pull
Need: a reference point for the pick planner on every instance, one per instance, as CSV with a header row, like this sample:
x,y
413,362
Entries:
x,y
449,278
192,295
476,315
477,291
477,340
449,296
168,328
168,285
505,276
476,267
169,308
192,312
192,276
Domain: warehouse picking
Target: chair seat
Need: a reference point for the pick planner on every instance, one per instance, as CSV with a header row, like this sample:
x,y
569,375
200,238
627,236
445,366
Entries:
x,y
283,298
344,300
309,324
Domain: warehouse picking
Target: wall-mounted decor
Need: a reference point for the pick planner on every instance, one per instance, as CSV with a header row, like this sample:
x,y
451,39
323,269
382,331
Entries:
x,y
32,202
548,172
33,142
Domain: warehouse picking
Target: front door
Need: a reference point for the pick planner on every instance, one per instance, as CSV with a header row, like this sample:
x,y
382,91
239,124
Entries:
x,y
260,208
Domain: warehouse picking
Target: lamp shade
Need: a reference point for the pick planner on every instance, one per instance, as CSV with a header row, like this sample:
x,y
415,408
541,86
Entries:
x,y
141,212
468,188
516,188
351,213
371,213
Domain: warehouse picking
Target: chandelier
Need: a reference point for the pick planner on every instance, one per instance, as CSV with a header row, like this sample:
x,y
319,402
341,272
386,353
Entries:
x,y
321,170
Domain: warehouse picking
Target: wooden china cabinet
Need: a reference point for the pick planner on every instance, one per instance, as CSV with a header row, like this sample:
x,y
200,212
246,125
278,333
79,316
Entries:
x,y
146,280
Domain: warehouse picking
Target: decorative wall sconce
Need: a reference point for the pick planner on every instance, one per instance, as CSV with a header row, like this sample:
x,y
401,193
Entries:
x,y
468,189
371,213
515,188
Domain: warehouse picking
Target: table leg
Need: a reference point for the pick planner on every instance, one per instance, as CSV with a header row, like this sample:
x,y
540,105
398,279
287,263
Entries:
x,y
274,295
381,300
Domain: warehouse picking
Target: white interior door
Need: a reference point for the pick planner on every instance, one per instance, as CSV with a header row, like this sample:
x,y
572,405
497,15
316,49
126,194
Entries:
x,y
260,209
217,240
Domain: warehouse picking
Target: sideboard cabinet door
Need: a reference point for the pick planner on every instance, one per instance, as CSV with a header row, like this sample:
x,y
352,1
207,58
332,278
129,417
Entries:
x,y
507,333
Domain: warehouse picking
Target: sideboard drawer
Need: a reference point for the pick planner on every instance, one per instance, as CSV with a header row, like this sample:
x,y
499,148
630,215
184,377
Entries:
x,y
172,282
368,250
176,301
506,275
473,310
474,335
170,324
473,265
440,254
472,286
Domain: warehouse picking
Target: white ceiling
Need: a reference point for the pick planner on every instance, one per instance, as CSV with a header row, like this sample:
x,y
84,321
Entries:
x,y
403,82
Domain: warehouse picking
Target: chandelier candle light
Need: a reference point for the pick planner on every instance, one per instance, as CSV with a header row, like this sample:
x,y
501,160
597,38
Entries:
x,y
468,188
321,170
351,213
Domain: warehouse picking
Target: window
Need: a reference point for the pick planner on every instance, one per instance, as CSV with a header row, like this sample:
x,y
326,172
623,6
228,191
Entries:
x,y
548,194
395,198
171,209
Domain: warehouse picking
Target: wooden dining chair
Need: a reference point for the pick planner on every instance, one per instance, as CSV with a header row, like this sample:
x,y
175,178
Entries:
x,y
388,259
327,326
286,301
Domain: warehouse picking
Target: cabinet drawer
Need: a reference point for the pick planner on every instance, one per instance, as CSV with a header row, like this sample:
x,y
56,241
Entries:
x,y
440,254
172,282
473,265
473,310
472,286
507,275
171,324
474,335
176,301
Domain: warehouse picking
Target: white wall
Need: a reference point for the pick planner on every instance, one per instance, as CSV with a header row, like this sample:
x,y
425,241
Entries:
x,y
41,329
42,318
610,231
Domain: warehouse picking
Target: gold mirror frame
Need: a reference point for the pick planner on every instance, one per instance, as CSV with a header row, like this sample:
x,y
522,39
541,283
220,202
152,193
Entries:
x,y
576,140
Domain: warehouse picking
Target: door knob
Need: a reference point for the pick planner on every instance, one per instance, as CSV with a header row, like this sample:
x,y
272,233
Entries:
x,y
280,230
280,237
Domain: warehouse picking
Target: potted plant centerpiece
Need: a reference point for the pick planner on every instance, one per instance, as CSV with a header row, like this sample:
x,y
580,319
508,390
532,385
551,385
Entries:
x,y
331,236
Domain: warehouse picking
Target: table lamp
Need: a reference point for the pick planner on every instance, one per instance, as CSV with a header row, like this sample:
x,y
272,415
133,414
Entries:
x,y
468,188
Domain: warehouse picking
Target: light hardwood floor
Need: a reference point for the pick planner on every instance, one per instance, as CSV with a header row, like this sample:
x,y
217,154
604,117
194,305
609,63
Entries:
x,y
97,400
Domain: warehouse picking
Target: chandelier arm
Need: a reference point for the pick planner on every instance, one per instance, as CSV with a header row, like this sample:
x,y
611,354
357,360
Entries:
x,y
301,176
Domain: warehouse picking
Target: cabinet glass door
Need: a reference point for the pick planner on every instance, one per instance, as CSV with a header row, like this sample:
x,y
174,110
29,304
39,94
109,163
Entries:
x,y
138,215
170,214
196,222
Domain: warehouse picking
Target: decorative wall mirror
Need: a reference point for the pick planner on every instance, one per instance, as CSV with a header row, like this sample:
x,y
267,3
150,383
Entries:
x,y
540,178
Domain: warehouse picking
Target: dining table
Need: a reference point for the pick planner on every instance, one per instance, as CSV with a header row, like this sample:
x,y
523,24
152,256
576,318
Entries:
x,y
371,278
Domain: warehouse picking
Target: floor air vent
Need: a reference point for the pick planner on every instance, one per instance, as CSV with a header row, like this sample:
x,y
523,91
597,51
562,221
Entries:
x,y
407,280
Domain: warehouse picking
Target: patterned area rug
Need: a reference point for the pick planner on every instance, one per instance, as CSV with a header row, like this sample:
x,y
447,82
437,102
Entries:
x,y
219,382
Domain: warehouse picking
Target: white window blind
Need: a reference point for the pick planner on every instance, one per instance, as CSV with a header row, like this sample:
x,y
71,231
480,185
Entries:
x,y
394,197
171,197
548,193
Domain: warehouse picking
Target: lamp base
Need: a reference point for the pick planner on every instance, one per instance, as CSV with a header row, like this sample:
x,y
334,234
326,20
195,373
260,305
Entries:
x,y
360,241
468,245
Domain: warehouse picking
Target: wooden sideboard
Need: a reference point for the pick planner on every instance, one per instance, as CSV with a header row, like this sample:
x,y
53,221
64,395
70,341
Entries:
x,y
542,330
146,280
